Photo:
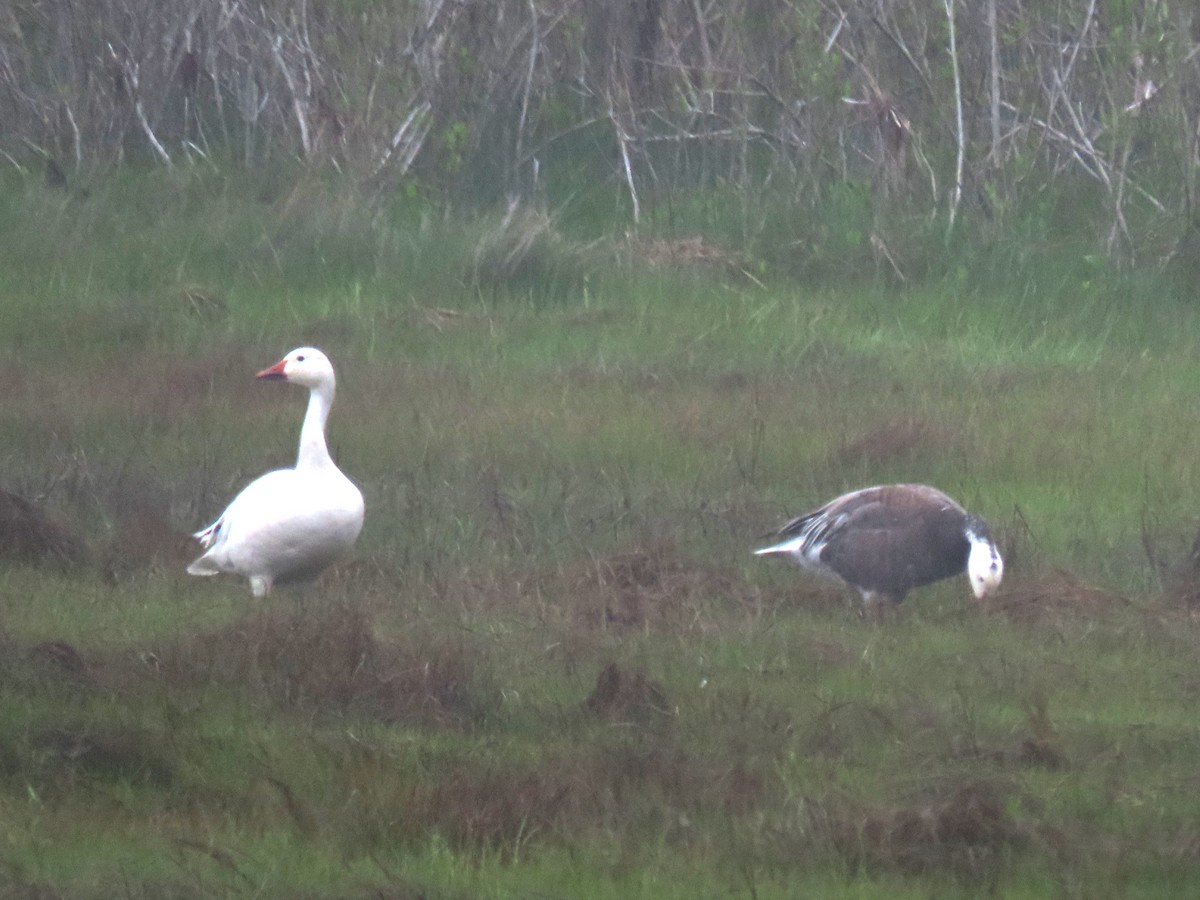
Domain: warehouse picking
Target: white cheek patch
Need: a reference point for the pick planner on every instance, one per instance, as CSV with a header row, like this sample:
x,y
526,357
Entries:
x,y
984,564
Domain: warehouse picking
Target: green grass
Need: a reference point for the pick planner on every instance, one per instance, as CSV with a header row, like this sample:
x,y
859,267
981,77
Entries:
x,y
567,457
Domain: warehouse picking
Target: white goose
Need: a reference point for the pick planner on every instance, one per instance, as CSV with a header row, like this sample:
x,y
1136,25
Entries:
x,y
289,524
891,538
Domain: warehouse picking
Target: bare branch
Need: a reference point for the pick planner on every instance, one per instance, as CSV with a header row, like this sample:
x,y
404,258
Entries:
x,y
408,144
533,55
130,71
994,81
299,104
623,143
960,131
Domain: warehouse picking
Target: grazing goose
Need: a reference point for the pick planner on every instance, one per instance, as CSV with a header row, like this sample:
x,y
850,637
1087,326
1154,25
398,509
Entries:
x,y
289,524
888,539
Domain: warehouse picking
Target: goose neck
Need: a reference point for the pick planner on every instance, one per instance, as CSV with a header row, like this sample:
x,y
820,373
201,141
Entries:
x,y
313,451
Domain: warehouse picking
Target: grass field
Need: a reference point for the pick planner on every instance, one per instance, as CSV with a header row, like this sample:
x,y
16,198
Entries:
x,y
552,667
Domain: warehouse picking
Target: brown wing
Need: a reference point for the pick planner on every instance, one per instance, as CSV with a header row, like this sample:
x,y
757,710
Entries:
x,y
896,539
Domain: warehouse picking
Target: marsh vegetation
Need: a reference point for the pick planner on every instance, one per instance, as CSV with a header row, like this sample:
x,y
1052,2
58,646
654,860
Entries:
x,y
552,665
768,252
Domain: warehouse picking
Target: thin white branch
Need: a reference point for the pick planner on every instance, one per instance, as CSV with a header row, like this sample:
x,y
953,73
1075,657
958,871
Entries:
x,y
1092,163
1084,140
298,103
533,55
994,64
412,144
1070,67
130,73
836,31
76,138
960,131
623,143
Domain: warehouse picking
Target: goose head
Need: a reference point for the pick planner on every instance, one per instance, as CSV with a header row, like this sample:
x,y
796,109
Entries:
x,y
985,567
305,366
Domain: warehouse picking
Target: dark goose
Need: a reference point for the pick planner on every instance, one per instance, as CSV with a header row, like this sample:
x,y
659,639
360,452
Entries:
x,y
888,539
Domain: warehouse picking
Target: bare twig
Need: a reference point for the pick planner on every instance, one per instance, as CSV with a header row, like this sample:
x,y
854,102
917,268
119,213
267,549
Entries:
x,y
130,72
1064,78
959,130
76,140
623,144
837,29
994,81
881,250
533,55
299,104
418,119
1087,157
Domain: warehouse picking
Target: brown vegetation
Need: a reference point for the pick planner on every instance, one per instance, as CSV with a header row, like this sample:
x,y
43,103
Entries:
x,y
112,753
648,587
332,661
621,695
1054,596
28,533
895,439
60,659
953,108
1041,748
966,828
682,253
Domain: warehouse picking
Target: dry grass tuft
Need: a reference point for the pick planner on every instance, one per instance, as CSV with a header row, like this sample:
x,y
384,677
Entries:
x,y
200,301
847,724
59,659
333,661
1042,753
661,779
159,386
742,790
1181,580
440,318
896,438
526,253
472,801
622,695
648,587
967,831
110,753
1185,594
148,541
620,775
27,533
1055,596
497,808
680,253
1041,748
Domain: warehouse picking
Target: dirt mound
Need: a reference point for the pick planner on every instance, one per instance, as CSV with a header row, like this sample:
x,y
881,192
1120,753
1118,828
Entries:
x,y
627,696
27,533
107,753
495,808
1042,747
967,830
333,661
60,659
146,542
648,587
1056,595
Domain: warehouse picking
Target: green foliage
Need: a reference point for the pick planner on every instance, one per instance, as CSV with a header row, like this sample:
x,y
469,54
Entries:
x,y
455,139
